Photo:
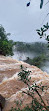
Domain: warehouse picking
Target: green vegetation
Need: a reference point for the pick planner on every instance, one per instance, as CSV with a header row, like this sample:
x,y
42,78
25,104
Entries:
x,y
38,61
25,109
36,47
35,105
39,52
42,31
6,46
41,3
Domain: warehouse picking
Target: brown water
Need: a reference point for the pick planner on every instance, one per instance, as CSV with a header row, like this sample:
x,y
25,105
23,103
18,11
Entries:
x,y
10,85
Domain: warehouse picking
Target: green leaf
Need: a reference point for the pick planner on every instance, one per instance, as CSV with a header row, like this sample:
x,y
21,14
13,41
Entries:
x,y
38,33
41,4
38,30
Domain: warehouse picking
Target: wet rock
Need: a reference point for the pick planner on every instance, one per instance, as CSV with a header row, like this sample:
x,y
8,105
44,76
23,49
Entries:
x,y
2,102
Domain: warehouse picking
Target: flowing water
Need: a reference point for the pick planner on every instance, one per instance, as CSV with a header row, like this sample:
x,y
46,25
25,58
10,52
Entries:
x,y
10,85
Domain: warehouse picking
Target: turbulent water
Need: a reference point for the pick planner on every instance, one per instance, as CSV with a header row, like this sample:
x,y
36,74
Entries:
x,y
11,87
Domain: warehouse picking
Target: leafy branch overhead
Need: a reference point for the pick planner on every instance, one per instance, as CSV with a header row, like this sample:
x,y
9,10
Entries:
x,y
36,105
41,3
42,31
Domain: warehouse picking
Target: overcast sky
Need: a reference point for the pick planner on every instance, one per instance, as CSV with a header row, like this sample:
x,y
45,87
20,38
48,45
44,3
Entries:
x,y
21,21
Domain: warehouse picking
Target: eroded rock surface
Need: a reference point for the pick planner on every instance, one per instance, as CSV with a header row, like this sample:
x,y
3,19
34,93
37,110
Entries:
x,y
10,85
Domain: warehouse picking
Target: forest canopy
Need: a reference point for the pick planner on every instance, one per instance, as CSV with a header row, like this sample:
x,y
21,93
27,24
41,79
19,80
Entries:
x,y
6,46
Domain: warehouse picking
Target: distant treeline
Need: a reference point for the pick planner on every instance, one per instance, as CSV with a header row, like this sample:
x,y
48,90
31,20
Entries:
x,y
36,47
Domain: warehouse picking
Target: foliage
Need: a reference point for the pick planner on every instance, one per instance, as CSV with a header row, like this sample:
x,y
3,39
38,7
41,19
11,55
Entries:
x,y
35,105
36,47
32,89
6,46
36,53
41,3
37,61
25,109
42,31
24,74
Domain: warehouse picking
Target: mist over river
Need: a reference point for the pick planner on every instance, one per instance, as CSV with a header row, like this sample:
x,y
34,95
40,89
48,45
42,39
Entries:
x,y
33,53
23,56
46,67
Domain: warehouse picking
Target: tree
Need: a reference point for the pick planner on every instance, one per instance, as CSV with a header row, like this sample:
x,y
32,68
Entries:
x,y
6,46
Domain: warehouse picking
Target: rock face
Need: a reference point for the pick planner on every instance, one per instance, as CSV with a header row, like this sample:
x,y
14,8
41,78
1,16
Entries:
x,y
2,102
10,85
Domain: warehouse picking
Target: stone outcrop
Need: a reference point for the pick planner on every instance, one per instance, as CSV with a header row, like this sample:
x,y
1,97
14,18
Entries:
x,y
11,87
2,102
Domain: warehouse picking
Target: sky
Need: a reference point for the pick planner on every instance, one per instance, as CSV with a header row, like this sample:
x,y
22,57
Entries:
x,y
22,21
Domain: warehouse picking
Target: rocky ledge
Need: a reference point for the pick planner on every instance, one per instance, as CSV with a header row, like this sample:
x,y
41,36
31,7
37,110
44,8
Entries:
x,y
11,87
